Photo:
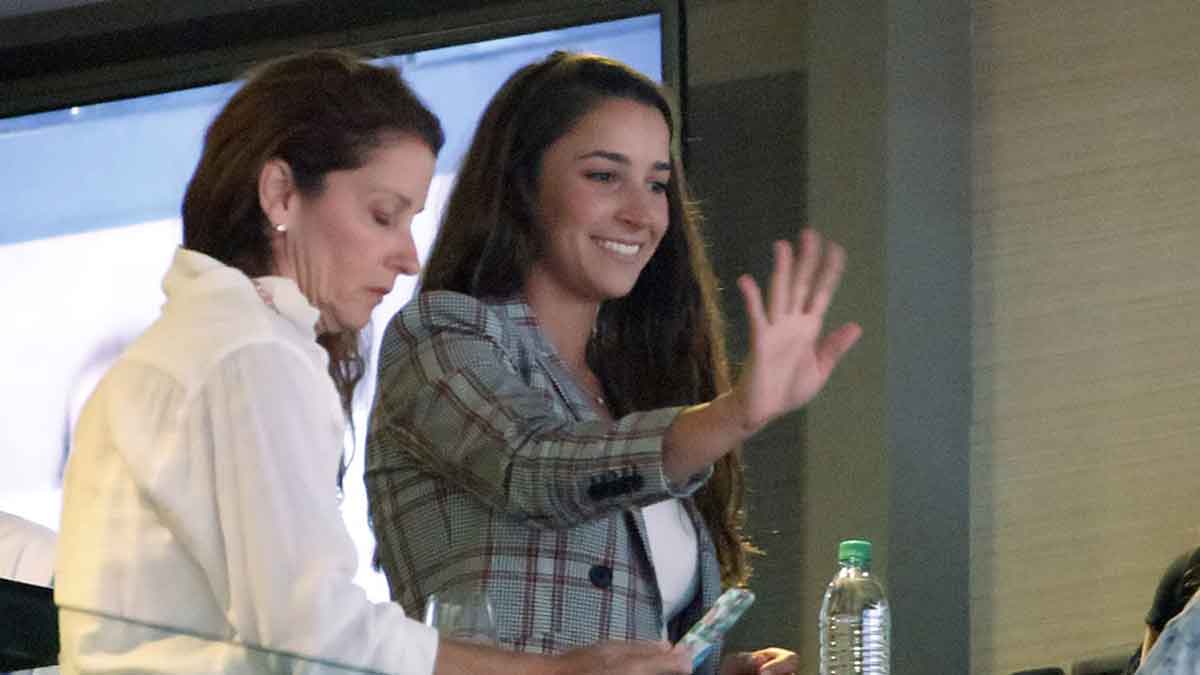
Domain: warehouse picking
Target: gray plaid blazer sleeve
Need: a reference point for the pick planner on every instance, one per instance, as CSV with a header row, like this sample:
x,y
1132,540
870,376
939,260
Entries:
x,y
461,392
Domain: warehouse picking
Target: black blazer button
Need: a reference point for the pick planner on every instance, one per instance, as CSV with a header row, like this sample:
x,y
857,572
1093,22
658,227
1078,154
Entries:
x,y
631,484
601,576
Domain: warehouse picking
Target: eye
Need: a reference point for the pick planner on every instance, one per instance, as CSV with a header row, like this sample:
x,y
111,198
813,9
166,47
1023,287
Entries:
x,y
382,219
601,176
658,186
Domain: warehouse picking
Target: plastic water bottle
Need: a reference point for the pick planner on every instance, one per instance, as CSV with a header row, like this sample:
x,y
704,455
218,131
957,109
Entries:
x,y
856,624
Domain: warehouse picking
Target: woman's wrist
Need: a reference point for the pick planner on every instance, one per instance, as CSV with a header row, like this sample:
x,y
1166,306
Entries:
x,y
734,411
702,434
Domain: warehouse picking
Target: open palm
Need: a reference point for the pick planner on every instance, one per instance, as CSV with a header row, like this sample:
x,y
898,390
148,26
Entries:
x,y
791,357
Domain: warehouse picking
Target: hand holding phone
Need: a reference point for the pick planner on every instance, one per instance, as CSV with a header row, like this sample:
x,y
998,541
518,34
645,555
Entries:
x,y
706,634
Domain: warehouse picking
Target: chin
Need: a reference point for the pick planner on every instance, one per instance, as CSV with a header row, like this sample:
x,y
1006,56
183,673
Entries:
x,y
341,324
617,293
356,324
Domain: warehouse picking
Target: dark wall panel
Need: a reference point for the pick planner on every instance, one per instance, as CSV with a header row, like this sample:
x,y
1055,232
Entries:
x,y
746,163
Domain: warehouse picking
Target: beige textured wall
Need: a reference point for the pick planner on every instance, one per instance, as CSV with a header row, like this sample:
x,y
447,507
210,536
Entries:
x,y
1086,437
744,39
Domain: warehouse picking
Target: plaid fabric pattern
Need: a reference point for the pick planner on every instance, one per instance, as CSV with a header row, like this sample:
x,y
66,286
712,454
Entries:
x,y
483,461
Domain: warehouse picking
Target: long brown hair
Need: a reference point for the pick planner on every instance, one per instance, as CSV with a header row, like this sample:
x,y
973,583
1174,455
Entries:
x,y
669,324
318,111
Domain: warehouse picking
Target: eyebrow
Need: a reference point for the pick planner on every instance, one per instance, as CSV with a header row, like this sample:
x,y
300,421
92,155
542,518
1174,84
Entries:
x,y
404,201
621,159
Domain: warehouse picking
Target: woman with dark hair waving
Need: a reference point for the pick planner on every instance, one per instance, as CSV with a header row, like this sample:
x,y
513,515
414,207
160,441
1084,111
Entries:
x,y
201,527
554,423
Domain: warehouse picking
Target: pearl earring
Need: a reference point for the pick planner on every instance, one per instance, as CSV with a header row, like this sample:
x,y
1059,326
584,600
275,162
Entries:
x,y
280,227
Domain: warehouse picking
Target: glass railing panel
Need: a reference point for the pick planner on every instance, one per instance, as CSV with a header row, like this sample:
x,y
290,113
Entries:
x,y
121,644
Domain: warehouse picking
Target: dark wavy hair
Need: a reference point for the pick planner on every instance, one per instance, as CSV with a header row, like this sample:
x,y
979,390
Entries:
x,y
319,111
668,327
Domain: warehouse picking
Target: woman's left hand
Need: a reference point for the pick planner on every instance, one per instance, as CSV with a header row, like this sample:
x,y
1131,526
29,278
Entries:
x,y
769,661
790,359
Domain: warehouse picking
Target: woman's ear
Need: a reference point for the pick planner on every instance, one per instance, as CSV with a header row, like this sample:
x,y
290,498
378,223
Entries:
x,y
277,192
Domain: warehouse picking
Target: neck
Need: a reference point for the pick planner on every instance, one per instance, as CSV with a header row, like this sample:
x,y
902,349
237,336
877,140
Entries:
x,y
566,322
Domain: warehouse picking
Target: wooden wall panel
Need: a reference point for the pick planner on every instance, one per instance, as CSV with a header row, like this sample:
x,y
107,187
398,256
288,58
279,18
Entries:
x,y
1086,434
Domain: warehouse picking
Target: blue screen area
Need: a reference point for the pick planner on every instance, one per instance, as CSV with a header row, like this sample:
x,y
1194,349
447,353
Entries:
x,y
91,219
128,161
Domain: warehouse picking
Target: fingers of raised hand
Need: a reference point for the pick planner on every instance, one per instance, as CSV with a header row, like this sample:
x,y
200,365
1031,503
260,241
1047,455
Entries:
x,y
780,298
754,302
810,246
804,278
827,279
837,343
803,282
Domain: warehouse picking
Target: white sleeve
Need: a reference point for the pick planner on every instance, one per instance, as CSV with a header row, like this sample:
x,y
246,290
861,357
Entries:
x,y
275,430
26,550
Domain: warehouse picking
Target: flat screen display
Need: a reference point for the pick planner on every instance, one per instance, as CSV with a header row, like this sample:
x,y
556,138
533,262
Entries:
x,y
92,197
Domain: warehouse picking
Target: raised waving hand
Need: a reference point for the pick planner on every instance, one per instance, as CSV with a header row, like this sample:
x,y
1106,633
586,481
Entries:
x,y
791,357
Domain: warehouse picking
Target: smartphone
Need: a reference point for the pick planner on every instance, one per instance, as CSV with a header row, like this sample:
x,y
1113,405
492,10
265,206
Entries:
x,y
706,634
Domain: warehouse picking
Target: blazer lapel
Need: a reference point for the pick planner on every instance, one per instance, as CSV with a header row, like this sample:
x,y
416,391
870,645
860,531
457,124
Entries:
x,y
546,357
637,523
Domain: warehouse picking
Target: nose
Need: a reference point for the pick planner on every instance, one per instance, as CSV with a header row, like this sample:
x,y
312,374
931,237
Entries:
x,y
402,256
641,208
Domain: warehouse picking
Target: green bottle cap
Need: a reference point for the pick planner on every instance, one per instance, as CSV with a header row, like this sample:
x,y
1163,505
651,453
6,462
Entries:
x,y
854,549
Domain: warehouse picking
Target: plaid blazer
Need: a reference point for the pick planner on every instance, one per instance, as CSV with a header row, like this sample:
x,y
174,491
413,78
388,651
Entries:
x,y
486,466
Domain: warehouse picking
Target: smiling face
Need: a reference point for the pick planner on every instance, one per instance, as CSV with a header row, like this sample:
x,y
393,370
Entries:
x,y
345,245
602,202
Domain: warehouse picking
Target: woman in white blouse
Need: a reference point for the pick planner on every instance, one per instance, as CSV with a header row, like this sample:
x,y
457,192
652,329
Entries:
x,y
201,521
